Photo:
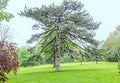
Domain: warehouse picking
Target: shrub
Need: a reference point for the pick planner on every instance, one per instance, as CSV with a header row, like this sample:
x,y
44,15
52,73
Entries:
x,y
8,60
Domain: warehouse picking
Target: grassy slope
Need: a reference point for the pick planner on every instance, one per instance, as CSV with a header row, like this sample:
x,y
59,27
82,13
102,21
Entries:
x,y
71,73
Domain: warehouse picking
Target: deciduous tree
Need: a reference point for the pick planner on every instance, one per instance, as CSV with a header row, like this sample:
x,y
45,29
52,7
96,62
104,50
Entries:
x,y
112,43
4,15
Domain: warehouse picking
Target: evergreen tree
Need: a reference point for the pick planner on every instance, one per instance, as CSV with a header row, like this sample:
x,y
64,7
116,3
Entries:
x,y
69,23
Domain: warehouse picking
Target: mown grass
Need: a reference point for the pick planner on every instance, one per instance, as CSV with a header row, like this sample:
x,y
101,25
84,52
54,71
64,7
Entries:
x,y
90,72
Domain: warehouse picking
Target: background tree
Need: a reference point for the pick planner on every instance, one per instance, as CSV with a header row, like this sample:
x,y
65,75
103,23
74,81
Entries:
x,y
23,55
5,34
67,22
95,52
112,45
4,15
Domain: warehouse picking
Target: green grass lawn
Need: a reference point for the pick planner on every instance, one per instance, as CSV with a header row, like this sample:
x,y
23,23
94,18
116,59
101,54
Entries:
x,y
90,72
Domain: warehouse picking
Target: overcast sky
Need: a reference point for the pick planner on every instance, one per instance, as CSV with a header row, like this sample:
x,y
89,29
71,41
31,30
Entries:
x,y
105,11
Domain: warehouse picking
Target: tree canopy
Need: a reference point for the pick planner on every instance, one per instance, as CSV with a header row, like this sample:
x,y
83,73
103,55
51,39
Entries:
x,y
4,15
112,44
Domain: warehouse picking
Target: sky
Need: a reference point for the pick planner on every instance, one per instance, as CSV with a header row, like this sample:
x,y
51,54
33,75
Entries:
x,y
105,11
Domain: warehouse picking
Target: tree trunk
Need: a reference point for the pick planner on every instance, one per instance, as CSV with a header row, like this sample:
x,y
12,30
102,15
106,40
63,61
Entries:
x,y
57,53
54,62
81,60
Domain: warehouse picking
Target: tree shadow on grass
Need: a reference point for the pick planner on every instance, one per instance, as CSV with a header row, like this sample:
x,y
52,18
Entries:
x,y
76,70
66,71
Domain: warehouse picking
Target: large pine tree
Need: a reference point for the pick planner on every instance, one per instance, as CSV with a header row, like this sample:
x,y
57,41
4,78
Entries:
x,y
67,23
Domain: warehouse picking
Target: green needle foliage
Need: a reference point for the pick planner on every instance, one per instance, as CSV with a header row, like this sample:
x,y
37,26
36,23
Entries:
x,y
65,27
